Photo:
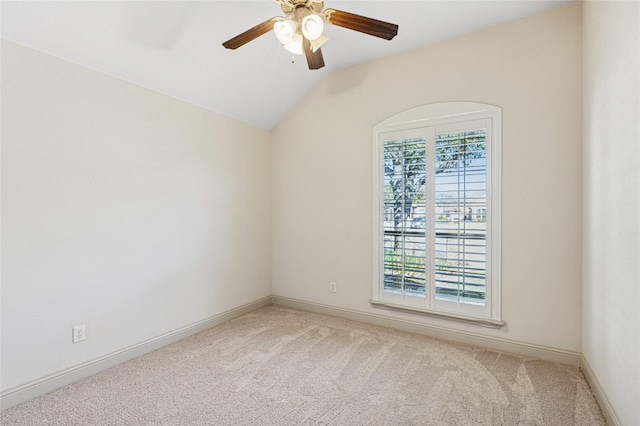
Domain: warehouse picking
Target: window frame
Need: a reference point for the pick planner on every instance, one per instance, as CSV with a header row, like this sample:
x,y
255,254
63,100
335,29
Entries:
x,y
425,119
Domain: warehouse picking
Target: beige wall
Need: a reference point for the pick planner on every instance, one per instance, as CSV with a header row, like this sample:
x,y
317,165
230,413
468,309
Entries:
x,y
122,209
322,171
611,271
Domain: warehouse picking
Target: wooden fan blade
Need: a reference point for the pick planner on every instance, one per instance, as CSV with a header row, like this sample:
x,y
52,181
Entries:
x,y
251,34
314,59
362,24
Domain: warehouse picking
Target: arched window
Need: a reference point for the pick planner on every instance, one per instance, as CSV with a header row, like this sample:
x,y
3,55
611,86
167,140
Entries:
x,y
437,211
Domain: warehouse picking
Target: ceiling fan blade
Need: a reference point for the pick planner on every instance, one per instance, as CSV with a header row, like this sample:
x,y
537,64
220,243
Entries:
x,y
251,34
362,24
314,59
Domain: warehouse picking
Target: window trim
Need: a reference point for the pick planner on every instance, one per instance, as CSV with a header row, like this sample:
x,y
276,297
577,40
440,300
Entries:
x,y
429,116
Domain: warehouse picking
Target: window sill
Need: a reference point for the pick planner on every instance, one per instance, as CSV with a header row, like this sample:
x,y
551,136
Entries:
x,y
484,322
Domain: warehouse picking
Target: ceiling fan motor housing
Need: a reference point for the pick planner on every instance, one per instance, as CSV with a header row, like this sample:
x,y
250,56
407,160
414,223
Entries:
x,y
289,6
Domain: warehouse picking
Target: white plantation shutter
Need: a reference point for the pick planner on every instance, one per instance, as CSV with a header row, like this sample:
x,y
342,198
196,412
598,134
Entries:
x,y
437,216
459,220
404,165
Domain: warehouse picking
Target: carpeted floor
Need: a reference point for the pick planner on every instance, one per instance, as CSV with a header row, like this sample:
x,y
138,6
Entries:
x,y
281,366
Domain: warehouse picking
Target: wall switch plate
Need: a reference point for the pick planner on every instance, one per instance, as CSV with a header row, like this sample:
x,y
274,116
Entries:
x,y
78,333
333,287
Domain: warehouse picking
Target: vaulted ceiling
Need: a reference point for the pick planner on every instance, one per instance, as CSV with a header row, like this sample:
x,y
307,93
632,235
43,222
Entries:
x,y
174,47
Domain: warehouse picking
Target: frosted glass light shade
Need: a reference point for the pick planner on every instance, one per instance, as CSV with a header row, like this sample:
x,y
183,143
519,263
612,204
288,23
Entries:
x,y
312,27
285,31
317,43
295,45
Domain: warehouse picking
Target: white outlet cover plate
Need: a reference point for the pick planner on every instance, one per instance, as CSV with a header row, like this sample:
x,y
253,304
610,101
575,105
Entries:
x,y
78,333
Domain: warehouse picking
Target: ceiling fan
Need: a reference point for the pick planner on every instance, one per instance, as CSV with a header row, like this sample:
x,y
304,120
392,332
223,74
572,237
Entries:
x,y
301,29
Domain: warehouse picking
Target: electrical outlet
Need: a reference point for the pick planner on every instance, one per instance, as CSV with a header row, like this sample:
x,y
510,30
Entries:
x,y
332,287
78,333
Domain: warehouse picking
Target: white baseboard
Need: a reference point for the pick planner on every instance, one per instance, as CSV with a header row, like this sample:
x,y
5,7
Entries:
x,y
497,344
33,389
19,394
606,407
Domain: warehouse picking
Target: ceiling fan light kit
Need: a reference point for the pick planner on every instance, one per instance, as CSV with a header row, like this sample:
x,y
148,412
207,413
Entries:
x,y
300,31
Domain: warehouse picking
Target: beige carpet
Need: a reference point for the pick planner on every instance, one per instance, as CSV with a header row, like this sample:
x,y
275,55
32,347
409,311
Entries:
x,y
280,366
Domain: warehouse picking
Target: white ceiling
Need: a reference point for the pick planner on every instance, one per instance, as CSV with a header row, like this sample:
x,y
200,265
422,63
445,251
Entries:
x,y
174,47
